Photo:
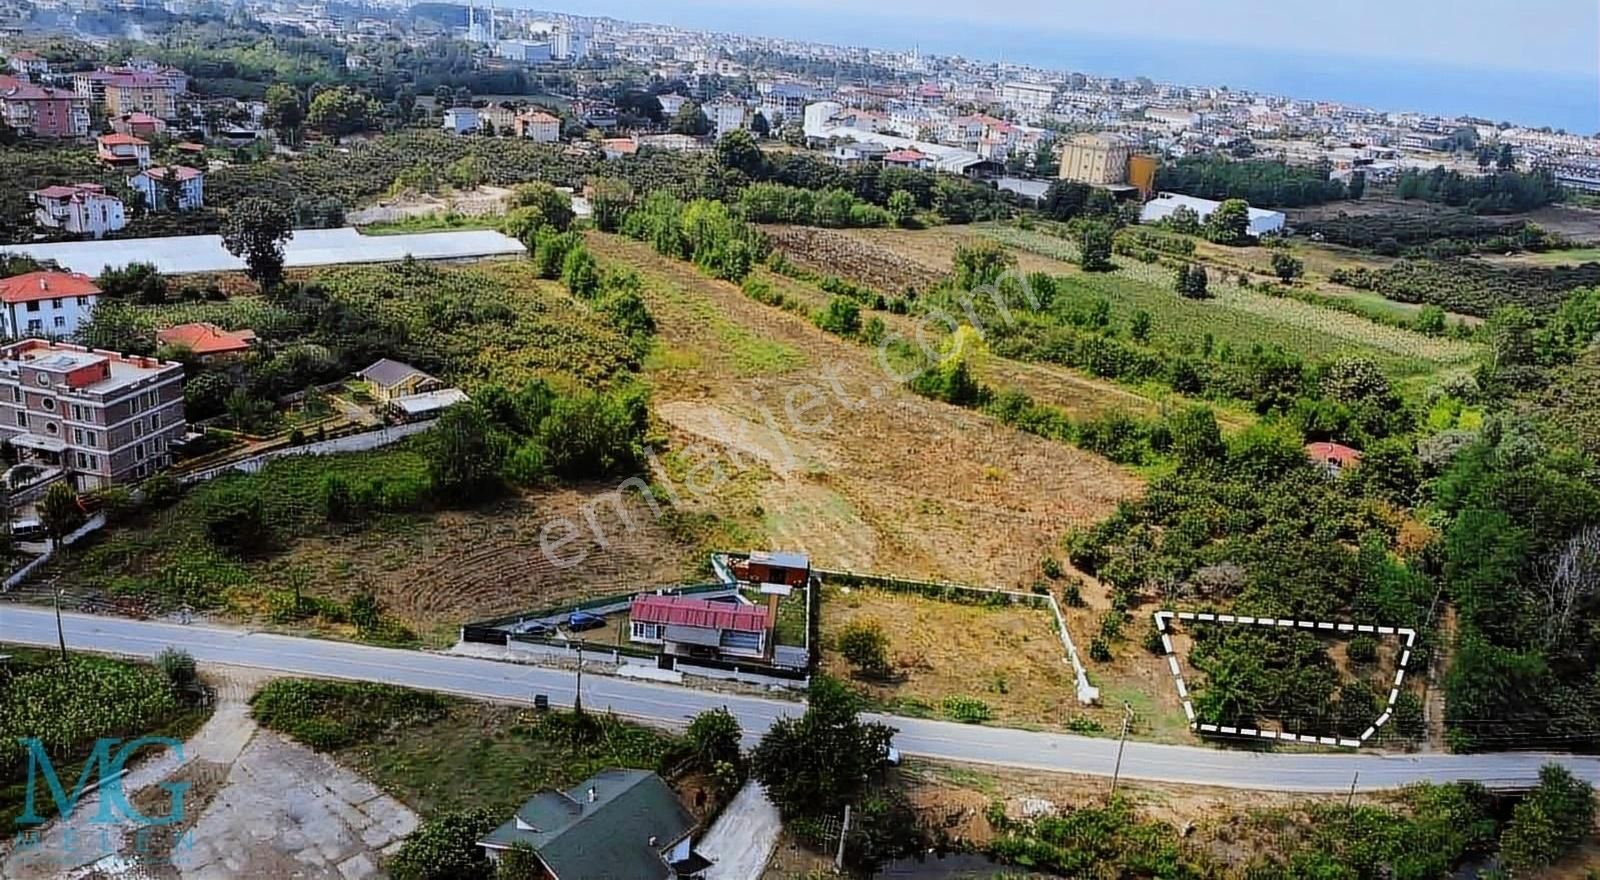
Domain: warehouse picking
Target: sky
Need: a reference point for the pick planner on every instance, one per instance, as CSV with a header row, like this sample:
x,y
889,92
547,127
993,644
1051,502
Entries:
x,y
1545,36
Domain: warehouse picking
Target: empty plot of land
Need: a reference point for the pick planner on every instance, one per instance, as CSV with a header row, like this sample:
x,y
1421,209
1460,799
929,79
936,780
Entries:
x,y
909,485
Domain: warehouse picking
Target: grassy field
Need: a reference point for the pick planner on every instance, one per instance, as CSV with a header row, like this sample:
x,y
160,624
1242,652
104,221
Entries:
x,y
963,498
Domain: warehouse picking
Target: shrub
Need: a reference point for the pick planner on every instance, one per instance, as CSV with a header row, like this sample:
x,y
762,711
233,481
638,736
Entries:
x,y
842,317
328,715
446,848
865,646
1362,649
1072,594
1099,650
1111,625
178,668
715,736
967,710
1152,640
1051,567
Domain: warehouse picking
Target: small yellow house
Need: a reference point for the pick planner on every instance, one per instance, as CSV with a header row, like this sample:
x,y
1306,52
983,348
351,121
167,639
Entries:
x,y
391,379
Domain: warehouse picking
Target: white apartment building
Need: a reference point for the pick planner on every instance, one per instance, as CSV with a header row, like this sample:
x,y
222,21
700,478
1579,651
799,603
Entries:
x,y
82,209
53,304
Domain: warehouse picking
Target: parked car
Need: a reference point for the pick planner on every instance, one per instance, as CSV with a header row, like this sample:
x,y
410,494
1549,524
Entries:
x,y
27,530
534,628
582,620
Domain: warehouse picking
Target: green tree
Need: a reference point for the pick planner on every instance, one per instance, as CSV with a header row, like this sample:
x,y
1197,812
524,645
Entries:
x,y
738,150
842,317
981,263
1549,823
691,120
865,645
610,198
550,206
715,736
234,519
1139,328
902,207
1287,267
255,230
1197,438
814,764
59,512
1507,159
136,282
467,455
285,113
446,848
581,273
1229,223
341,111
1094,244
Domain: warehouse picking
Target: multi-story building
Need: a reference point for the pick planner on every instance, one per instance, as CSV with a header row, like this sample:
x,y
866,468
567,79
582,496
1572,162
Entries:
x,y
1096,159
29,64
1030,99
151,93
726,115
539,126
83,209
104,418
123,151
40,111
152,183
51,304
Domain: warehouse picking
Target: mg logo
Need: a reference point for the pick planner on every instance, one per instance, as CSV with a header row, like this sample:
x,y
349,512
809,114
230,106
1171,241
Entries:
x,y
106,764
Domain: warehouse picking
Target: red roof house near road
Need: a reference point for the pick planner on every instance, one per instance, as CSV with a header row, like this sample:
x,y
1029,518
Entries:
x,y
46,285
690,627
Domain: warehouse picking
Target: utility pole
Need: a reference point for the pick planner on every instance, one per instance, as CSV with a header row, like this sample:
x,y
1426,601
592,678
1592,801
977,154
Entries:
x,y
1127,722
577,701
61,633
838,859
1349,799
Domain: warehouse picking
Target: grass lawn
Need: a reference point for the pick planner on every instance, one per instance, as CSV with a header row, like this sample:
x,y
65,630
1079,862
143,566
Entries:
x,y
444,221
437,753
1556,258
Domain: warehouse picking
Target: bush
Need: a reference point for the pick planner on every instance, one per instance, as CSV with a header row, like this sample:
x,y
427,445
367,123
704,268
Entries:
x,y
446,848
865,646
1362,649
178,668
715,737
1152,640
1099,650
328,715
841,318
967,710
1051,567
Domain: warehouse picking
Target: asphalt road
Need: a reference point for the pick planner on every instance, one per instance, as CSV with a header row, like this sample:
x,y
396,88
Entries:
x,y
488,679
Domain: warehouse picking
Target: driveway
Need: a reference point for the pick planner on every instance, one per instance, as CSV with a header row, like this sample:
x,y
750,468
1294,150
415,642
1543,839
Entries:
x,y
741,841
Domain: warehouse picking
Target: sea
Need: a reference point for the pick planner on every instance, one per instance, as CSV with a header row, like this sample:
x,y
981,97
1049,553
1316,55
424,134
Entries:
x,y
1522,97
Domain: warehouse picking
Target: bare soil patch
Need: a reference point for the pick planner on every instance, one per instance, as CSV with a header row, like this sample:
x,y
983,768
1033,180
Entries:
x,y
836,252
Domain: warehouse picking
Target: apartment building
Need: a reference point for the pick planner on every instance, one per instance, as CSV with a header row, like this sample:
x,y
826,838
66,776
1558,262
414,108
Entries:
x,y
82,209
1031,99
40,111
1096,159
51,304
186,193
104,417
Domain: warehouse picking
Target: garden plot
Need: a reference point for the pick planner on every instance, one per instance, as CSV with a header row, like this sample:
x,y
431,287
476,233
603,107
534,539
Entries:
x,y
1165,622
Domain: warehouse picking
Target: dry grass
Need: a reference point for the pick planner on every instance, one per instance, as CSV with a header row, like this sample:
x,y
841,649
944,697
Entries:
x,y
1009,657
832,456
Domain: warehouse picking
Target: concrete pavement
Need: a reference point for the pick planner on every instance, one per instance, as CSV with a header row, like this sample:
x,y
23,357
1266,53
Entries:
x,y
487,679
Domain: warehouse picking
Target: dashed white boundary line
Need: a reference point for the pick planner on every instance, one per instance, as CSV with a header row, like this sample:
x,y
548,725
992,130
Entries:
x,y
1163,626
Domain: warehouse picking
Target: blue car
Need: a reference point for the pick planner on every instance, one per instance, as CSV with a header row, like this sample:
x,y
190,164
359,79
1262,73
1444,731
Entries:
x,y
582,620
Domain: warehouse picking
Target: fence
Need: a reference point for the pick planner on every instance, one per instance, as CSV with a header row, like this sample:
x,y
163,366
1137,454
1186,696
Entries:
x,y
367,440
945,591
94,522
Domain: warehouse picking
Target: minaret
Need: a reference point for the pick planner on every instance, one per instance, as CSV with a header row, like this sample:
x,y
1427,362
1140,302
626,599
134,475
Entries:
x,y
491,22
472,21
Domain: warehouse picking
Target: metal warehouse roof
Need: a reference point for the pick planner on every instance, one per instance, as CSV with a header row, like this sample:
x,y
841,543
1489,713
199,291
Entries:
x,y
308,247
699,613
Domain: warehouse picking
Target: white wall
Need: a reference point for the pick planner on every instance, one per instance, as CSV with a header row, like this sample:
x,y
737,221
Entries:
x,y
54,320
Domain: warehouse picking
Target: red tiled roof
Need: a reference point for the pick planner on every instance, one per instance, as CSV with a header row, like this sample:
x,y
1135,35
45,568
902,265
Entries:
x,y
157,172
142,118
701,613
26,55
538,116
1335,453
116,140
45,285
204,338
905,156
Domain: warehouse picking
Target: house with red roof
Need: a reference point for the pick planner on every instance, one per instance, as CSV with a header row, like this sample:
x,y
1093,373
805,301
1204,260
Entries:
x,y
46,304
41,111
123,150
908,158
539,126
1335,457
82,209
208,342
184,191
139,125
685,626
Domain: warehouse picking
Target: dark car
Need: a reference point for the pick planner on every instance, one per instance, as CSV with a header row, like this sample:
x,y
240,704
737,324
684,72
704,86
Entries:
x,y
582,620
534,628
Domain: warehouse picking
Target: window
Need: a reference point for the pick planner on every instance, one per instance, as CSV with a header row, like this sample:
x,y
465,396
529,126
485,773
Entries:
x,y
52,428
33,305
55,303
94,439
77,413
138,429
35,325
83,301
60,321
41,378
16,394
77,436
155,421
49,404
22,419
138,452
